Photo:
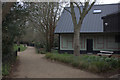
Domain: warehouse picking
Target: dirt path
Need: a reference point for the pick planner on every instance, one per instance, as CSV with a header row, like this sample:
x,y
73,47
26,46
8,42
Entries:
x,y
34,65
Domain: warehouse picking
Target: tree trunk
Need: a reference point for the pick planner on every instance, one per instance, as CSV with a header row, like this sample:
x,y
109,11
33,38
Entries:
x,y
51,38
48,49
77,24
47,42
76,41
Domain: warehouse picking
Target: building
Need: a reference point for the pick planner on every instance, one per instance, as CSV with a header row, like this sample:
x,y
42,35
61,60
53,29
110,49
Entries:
x,y
95,33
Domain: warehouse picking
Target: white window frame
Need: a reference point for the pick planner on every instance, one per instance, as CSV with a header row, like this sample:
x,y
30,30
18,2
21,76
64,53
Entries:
x,y
96,11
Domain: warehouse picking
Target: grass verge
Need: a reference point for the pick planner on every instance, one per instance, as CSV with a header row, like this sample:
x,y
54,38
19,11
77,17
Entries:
x,y
91,63
22,47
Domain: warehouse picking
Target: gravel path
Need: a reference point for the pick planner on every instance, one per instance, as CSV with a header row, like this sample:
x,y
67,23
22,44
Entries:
x,y
34,65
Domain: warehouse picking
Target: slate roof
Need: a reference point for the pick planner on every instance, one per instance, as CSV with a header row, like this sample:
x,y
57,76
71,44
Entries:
x,y
92,22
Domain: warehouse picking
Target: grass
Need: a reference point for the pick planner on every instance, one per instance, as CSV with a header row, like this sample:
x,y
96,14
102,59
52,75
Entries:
x,y
88,62
22,48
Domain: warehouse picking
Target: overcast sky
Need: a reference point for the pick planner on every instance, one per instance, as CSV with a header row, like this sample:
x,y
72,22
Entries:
x,y
99,1
108,1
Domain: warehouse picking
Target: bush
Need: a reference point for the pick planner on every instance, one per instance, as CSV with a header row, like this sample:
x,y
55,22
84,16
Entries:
x,y
42,52
21,46
7,61
89,62
39,45
5,69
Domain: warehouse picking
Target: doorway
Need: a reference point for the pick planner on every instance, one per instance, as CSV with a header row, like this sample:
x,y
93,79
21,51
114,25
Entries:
x,y
89,45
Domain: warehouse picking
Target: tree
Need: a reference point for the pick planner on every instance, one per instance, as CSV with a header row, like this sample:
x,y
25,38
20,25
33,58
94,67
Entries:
x,y
83,11
33,34
45,16
6,9
13,27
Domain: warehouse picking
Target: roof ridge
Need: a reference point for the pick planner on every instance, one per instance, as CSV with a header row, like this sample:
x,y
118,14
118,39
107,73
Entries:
x,y
100,5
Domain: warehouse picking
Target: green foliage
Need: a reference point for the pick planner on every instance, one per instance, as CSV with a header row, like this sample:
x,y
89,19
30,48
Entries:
x,y
39,45
22,47
43,52
13,27
5,69
40,51
54,51
89,62
40,48
7,60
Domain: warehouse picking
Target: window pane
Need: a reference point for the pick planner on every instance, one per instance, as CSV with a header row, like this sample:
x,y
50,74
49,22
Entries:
x,y
97,11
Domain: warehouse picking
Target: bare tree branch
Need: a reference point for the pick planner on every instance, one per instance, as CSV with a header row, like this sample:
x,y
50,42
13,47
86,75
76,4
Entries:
x,y
88,9
73,14
67,10
78,8
90,6
77,26
81,4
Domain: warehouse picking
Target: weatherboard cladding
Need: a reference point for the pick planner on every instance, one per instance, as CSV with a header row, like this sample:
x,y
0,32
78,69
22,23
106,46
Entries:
x,y
92,22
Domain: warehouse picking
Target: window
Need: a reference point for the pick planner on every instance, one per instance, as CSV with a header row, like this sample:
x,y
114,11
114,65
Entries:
x,y
117,38
97,11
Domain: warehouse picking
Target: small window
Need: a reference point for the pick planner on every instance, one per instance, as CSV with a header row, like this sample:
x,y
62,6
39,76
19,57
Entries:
x,y
97,11
117,38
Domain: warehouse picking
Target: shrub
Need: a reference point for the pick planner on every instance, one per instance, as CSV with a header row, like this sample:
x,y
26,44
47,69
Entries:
x,y
93,68
89,62
39,45
75,63
21,46
5,69
42,52
48,55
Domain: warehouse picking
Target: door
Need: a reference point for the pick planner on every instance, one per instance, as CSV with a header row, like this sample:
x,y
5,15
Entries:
x,y
89,45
